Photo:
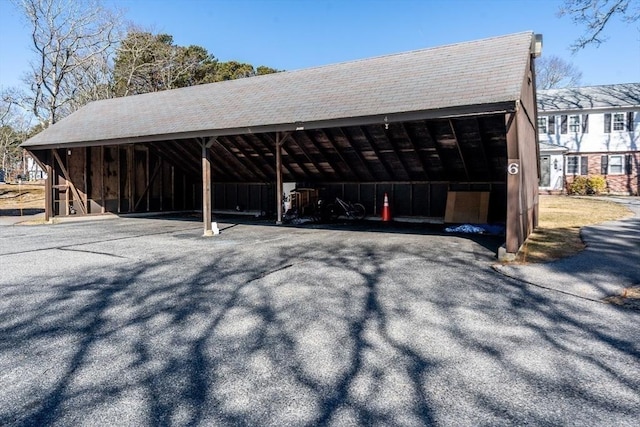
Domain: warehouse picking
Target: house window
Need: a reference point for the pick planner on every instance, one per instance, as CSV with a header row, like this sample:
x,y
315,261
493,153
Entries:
x,y
618,121
576,165
573,165
542,125
574,124
616,165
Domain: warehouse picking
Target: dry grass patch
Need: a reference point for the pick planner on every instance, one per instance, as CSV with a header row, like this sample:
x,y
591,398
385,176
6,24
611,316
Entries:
x,y
561,217
27,196
629,298
558,234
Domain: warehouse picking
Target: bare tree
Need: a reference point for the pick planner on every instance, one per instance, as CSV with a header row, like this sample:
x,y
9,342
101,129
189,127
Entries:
x,y
12,130
554,72
596,14
71,39
147,62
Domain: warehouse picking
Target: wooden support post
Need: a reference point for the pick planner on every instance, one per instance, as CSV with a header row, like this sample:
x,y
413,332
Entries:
x,y
210,228
70,185
173,188
87,169
131,175
102,201
119,179
513,234
48,192
161,183
148,177
279,177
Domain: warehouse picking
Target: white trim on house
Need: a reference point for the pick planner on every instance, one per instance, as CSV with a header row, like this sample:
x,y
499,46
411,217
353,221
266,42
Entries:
x,y
599,128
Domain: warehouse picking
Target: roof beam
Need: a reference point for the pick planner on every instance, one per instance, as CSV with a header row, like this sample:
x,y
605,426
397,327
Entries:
x,y
358,154
267,162
404,130
310,158
236,160
437,149
325,154
308,174
168,151
220,168
401,159
305,170
273,144
455,137
248,157
483,149
333,144
372,144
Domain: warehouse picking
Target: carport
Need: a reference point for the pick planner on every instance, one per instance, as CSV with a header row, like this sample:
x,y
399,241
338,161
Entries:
x,y
420,126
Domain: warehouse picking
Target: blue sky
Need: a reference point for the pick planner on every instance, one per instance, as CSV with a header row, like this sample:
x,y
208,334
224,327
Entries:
x,y
294,34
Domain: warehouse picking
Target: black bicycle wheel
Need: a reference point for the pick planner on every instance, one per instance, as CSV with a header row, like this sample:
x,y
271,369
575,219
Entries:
x,y
358,211
332,212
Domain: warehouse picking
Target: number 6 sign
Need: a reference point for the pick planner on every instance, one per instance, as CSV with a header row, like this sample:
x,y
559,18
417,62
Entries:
x,y
513,168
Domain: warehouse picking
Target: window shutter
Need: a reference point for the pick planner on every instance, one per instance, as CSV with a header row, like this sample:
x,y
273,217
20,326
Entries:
x,y
607,123
584,169
629,164
604,165
551,128
585,123
630,121
563,124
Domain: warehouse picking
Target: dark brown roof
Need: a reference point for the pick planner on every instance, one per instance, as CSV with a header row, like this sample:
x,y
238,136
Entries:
x,y
462,78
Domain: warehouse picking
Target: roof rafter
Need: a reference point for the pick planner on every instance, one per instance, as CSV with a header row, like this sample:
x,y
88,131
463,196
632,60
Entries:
x,y
259,167
373,146
457,142
357,153
401,159
236,159
309,157
423,164
310,135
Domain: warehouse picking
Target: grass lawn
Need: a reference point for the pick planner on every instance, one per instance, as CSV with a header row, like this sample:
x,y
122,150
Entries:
x,y
561,217
558,234
15,198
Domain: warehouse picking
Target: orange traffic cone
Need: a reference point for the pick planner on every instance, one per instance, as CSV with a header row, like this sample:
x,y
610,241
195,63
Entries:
x,y
386,212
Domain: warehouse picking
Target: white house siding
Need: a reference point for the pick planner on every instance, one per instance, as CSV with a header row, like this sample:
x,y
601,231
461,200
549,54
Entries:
x,y
592,144
583,121
595,139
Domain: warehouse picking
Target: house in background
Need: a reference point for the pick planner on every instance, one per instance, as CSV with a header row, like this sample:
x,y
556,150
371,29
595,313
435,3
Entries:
x,y
599,127
551,168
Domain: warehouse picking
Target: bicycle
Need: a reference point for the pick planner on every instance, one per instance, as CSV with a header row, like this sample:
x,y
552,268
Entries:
x,y
333,211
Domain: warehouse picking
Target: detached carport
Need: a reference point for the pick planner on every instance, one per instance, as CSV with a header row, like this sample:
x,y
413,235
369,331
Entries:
x,y
417,125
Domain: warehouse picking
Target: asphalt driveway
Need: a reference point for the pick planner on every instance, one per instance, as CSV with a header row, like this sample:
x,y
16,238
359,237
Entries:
x,y
142,322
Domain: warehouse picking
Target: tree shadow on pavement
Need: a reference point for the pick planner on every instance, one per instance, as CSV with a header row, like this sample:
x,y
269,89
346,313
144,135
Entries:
x,y
299,332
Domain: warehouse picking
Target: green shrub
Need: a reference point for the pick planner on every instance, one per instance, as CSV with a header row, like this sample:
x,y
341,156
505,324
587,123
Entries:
x,y
596,184
578,186
592,185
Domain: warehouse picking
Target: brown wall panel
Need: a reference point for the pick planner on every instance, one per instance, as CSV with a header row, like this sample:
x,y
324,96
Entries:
x,y
123,169
140,179
94,183
110,172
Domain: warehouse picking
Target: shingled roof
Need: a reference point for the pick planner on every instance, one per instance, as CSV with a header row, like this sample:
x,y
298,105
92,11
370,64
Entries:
x,y
483,75
626,95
